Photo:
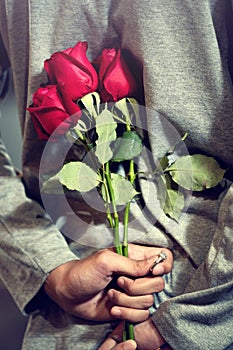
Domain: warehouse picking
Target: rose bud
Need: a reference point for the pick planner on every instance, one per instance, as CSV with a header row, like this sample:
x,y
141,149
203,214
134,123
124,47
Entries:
x,y
116,80
49,115
72,72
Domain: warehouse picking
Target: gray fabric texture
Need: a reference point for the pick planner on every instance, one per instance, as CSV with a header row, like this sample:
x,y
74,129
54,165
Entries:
x,y
181,50
23,226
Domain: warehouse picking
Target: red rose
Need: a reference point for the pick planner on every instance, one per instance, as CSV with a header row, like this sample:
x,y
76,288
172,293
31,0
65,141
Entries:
x,y
49,114
116,80
72,72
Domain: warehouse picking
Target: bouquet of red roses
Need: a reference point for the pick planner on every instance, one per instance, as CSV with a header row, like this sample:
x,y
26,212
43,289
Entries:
x,y
93,105
72,76
81,97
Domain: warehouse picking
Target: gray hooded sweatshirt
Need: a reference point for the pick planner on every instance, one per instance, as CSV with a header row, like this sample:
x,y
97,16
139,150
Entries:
x,y
181,51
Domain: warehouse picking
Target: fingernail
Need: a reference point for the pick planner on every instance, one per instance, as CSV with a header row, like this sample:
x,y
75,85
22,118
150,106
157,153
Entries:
x,y
130,345
110,293
115,311
121,282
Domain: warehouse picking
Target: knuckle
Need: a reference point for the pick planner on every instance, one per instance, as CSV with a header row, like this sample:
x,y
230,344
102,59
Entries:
x,y
129,286
142,316
102,257
116,297
148,301
132,288
160,284
139,267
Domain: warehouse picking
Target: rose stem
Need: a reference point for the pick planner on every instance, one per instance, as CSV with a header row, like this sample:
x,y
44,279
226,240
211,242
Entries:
x,y
128,327
108,213
131,175
115,213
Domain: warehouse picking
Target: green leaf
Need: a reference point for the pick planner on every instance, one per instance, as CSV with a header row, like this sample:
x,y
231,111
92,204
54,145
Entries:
x,y
106,126
90,101
174,204
196,172
134,105
123,190
171,201
103,152
127,147
106,131
77,133
52,185
124,104
78,176
81,126
162,184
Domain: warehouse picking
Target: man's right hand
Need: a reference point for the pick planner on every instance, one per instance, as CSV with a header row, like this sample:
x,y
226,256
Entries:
x,y
81,287
127,345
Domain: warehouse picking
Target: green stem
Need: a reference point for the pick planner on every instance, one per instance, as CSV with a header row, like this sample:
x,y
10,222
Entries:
x,y
108,199
79,134
128,326
115,213
172,150
128,332
125,236
109,217
128,127
131,176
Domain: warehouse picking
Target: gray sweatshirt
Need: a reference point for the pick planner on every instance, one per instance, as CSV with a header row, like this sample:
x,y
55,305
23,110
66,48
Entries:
x,y
180,48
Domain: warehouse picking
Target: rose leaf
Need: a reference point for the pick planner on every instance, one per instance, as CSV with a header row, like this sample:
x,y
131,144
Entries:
x,y
196,172
90,101
123,190
103,152
78,176
127,147
105,127
126,106
174,204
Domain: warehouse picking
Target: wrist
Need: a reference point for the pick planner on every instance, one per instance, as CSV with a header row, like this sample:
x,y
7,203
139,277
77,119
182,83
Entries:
x,y
55,284
147,336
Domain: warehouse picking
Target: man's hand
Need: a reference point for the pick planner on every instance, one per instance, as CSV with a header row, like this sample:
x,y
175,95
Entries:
x,y
127,345
136,309
81,287
146,336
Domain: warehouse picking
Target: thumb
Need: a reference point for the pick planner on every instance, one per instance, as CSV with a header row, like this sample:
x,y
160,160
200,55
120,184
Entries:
x,y
122,265
127,345
114,340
